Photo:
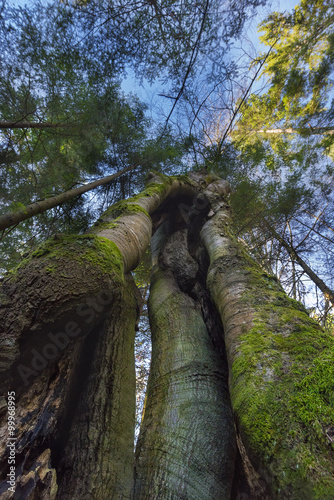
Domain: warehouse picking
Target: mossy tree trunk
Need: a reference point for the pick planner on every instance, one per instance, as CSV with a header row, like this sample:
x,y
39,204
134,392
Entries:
x,y
73,375
67,323
234,361
281,368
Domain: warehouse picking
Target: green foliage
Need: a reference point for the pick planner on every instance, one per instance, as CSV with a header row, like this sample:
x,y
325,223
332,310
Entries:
x,y
165,40
299,68
283,138
302,59
48,77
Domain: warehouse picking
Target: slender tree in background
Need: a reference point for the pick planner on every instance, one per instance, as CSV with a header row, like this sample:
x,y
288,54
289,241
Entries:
x,y
281,142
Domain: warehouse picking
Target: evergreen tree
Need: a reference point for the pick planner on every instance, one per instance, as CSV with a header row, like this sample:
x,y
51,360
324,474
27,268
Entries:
x,y
240,394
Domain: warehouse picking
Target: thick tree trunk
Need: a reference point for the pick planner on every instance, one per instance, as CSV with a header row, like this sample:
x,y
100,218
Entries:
x,y
95,445
74,382
280,367
67,321
67,317
186,447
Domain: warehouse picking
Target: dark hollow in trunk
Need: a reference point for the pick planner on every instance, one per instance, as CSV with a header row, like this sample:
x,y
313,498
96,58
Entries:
x,y
186,446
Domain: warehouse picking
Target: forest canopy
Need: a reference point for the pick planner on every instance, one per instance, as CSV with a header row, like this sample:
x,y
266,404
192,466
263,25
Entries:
x,y
260,119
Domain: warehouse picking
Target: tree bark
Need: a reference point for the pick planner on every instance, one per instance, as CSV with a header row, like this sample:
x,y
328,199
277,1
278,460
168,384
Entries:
x,y
96,449
62,272
67,345
280,368
186,447
66,336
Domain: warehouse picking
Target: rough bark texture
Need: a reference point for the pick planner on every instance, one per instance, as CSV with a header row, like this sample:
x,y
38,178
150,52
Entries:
x,y
281,366
186,447
97,461
63,285
75,422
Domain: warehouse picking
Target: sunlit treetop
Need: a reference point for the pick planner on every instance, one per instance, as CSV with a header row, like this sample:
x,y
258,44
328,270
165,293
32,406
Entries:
x,y
301,60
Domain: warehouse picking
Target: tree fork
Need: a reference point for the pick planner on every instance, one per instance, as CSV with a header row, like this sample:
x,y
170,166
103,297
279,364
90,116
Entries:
x,y
113,246
52,305
280,361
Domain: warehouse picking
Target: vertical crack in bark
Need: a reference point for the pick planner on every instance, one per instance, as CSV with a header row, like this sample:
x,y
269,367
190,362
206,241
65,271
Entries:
x,y
82,367
98,457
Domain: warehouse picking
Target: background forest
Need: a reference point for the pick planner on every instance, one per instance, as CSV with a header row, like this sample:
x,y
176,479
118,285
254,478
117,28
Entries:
x,y
208,98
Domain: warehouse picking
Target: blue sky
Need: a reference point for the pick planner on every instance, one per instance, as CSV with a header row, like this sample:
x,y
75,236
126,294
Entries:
x,y
149,94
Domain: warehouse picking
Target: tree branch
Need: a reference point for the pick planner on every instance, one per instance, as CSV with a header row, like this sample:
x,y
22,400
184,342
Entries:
x,y
13,218
328,293
24,125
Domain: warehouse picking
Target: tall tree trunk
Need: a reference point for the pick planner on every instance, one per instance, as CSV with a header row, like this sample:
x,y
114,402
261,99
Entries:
x,y
186,447
281,374
67,317
67,320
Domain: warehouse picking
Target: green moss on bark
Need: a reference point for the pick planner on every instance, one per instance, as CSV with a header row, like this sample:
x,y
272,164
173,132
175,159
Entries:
x,y
86,250
283,390
126,207
113,215
281,372
154,188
